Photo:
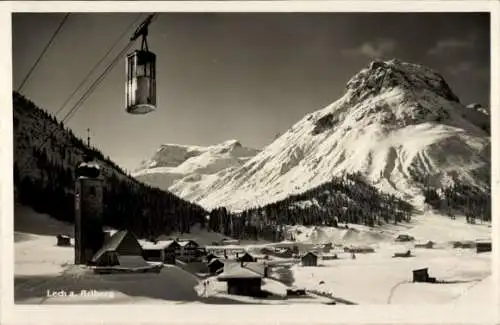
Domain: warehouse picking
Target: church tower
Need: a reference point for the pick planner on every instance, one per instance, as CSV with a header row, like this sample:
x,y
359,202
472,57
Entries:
x,y
89,235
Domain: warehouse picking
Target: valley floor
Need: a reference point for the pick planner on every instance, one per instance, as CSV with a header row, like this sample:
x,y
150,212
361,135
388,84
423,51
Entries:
x,y
41,268
379,278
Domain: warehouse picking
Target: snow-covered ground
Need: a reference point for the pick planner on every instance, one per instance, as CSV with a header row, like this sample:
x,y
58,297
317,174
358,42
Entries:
x,y
42,268
44,272
215,288
374,278
378,278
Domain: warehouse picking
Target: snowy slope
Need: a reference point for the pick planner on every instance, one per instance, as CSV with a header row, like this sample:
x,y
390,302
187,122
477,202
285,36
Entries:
x,y
182,164
426,227
398,123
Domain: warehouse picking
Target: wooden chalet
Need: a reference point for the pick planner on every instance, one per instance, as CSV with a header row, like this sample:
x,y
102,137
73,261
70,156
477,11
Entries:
x,y
404,238
241,281
422,275
122,243
215,265
163,250
430,244
63,240
246,258
209,257
309,259
483,246
188,250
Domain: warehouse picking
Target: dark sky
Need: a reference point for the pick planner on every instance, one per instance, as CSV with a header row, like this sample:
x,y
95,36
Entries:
x,y
236,76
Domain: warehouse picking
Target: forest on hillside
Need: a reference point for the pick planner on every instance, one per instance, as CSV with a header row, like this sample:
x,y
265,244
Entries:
x,y
460,198
46,155
347,199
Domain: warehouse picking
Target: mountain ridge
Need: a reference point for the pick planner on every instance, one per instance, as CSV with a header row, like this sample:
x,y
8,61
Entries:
x,y
398,123
173,163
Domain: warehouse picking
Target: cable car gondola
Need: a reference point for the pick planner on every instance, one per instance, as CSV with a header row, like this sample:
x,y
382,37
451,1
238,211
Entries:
x,y
140,90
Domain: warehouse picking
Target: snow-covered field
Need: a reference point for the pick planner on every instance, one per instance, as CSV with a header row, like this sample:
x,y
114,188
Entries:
x,y
42,268
379,278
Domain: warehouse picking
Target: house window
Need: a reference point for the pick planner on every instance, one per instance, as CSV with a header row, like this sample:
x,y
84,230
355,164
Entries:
x,y
92,190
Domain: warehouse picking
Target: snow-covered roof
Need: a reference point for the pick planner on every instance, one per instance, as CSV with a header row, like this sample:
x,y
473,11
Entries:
x,y
185,242
256,267
162,244
214,260
310,254
89,165
235,271
111,244
228,247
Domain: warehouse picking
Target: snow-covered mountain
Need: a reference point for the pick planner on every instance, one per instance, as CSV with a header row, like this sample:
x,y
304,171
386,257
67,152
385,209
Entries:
x,y
397,123
185,164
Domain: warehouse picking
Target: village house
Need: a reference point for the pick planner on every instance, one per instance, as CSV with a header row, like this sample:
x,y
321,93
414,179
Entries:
x,y
117,249
404,238
310,259
163,250
188,250
241,281
215,265
483,246
210,257
327,247
63,240
429,244
229,250
246,258
422,275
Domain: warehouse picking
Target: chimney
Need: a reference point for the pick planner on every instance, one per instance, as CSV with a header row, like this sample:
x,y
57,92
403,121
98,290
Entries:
x,y
265,271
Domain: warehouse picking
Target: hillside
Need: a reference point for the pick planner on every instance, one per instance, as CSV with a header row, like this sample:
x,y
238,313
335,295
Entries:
x,y
45,157
350,199
398,124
